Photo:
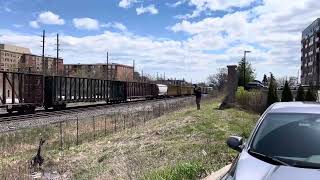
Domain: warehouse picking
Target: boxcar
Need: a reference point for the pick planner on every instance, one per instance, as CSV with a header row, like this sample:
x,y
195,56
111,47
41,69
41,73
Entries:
x,y
21,92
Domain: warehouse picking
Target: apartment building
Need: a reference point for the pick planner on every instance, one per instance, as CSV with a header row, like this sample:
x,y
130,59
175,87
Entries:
x,y
16,58
34,63
10,56
310,46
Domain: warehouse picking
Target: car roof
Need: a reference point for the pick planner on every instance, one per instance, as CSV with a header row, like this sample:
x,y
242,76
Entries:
x,y
296,107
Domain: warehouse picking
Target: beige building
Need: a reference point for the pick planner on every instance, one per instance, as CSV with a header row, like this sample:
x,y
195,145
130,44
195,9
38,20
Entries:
x,y
9,60
15,58
10,56
16,49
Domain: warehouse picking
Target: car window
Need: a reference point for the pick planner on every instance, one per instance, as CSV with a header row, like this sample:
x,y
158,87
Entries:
x,y
289,136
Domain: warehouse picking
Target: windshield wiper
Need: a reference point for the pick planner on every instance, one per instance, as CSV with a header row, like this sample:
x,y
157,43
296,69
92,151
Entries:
x,y
270,158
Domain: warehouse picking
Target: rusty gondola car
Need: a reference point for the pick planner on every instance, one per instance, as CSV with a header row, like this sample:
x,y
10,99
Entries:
x,y
60,90
21,92
139,90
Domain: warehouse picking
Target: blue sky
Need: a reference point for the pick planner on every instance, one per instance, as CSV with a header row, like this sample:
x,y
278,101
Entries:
x,y
185,38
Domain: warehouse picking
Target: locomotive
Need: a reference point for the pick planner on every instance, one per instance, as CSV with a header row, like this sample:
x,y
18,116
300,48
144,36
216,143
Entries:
x,y
24,92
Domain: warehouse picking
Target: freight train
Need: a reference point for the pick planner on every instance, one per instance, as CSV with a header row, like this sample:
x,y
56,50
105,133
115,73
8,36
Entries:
x,y
24,92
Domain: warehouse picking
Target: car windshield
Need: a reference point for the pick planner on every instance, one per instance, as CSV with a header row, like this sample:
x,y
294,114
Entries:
x,y
293,138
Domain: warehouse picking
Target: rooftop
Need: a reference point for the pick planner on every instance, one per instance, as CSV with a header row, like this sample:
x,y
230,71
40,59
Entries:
x,y
296,107
311,28
98,64
13,48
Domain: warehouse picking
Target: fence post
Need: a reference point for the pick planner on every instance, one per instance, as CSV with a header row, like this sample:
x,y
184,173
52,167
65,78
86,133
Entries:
x,y
77,131
144,115
124,121
60,123
132,117
115,121
105,125
94,128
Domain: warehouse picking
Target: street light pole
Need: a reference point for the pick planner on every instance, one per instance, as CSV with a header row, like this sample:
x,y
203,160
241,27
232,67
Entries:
x,y
244,68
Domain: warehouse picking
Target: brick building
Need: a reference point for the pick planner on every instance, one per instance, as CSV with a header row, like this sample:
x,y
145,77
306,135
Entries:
x,y
310,45
33,63
115,71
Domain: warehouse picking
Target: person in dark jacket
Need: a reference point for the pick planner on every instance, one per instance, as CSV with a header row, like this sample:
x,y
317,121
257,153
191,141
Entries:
x,y
197,93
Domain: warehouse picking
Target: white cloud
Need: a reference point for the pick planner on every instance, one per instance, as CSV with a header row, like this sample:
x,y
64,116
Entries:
x,y
119,26
149,9
34,24
151,55
49,17
212,5
93,24
219,4
271,30
126,3
115,25
86,23
176,4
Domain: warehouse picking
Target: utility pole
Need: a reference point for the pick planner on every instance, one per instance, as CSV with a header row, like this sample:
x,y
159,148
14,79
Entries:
x,y
142,79
43,43
107,65
107,77
244,69
133,65
57,59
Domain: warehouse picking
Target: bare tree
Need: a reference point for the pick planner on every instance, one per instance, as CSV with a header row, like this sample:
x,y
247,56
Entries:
x,y
281,81
219,79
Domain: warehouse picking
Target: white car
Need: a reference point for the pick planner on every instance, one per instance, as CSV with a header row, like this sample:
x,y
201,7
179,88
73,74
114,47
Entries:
x,y
284,145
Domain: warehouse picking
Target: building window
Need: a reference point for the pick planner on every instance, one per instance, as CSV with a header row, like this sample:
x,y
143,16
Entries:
x,y
8,93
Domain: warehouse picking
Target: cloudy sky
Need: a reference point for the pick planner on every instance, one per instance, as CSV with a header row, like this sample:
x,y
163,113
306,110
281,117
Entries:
x,y
184,38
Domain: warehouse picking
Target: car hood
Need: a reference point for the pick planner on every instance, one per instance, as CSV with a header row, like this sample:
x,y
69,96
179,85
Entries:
x,y
249,167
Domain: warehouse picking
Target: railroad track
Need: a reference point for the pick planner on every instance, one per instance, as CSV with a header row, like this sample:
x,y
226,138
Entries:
x,y
70,111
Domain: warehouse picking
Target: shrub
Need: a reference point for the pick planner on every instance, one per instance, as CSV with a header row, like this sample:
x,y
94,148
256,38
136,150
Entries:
x,y
300,94
310,96
251,100
286,93
272,93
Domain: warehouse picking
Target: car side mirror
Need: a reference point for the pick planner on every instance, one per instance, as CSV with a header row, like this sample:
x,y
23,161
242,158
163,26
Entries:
x,y
235,142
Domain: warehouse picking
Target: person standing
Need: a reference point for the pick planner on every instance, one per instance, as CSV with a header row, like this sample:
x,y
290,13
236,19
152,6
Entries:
x,y
197,93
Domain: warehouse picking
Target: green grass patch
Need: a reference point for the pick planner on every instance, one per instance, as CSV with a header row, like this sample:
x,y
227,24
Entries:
x,y
181,171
